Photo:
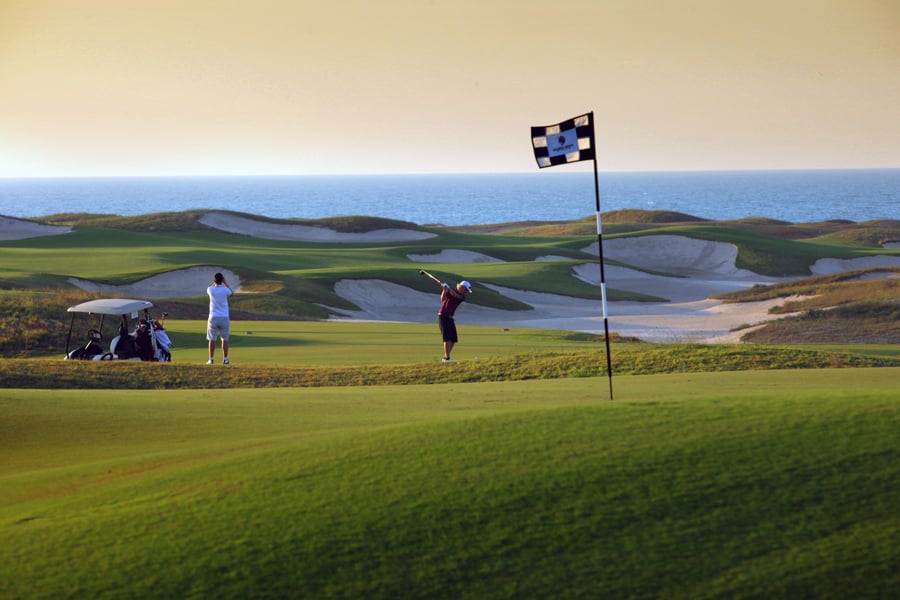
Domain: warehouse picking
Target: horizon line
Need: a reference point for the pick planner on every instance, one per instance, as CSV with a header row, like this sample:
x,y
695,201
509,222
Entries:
x,y
431,173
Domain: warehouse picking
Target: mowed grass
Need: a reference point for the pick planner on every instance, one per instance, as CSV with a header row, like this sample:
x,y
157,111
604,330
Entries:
x,y
356,343
347,342
701,485
306,470
321,354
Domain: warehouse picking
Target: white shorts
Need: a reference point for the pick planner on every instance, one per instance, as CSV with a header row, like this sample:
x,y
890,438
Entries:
x,y
217,327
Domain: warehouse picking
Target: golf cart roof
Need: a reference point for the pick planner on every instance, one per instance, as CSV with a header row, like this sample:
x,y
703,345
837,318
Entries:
x,y
111,306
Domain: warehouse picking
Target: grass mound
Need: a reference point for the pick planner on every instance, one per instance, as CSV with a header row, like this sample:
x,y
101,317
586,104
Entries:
x,y
628,359
691,486
634,215
187,221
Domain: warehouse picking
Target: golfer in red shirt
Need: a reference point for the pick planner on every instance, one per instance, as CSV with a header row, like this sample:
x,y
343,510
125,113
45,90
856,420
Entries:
x,y
450,299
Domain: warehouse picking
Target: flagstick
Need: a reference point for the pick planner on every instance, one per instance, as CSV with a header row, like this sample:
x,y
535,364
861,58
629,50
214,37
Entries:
x,y
563,150
602,274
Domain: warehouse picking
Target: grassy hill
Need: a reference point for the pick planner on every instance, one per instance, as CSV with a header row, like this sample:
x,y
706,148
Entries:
x,y
703,485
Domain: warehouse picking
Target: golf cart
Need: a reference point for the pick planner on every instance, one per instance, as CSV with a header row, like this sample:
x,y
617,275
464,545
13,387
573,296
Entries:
x,y
146,340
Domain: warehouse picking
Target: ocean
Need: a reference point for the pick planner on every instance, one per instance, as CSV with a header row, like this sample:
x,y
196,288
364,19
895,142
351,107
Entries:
x,y
473,199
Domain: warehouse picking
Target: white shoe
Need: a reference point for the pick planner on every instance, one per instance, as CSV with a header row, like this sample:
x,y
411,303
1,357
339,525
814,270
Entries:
x,y
446,359
211,362
226,361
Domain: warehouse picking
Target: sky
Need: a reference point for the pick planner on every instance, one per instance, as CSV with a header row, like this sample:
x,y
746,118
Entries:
x,y
264,87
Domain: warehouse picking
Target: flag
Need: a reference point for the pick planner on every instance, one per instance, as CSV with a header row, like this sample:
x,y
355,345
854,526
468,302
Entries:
x,y
566,142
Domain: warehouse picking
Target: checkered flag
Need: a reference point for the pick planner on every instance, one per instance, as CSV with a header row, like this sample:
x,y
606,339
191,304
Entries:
x,y
566,142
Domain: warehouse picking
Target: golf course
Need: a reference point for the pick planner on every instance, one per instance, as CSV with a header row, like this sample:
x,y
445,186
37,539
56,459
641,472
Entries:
x,y
744,446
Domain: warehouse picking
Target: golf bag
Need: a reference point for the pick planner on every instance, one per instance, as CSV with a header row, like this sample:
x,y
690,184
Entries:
x,y
163,343
123,347
143,341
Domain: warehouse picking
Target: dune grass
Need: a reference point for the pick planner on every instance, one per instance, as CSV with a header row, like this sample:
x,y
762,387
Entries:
x,y
754,484
847,307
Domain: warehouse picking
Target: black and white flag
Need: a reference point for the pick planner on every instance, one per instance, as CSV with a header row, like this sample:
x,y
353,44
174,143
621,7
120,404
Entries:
x,y
566,142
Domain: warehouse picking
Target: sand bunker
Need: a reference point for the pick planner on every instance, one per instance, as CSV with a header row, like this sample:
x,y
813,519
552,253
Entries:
x,y
699,270
699,321
306,233
674,254
698,286
453,256
16,229
183,283
828,266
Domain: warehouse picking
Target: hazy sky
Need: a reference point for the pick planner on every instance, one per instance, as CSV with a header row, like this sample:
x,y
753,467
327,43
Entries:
x,y
191,87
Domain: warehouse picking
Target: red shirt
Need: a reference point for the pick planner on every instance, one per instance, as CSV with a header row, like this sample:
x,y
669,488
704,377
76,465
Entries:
x,y
449,302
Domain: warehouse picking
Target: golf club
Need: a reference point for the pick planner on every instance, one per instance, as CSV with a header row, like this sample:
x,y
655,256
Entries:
x,y
430,276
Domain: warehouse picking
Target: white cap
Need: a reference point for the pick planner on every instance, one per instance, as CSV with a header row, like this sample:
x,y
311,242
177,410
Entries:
x,y
466,285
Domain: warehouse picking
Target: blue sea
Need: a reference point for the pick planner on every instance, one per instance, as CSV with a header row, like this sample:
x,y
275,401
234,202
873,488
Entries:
x,y
466,199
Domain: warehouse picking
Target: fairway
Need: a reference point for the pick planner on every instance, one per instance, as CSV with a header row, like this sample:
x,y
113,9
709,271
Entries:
x,y
346,342
765,483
